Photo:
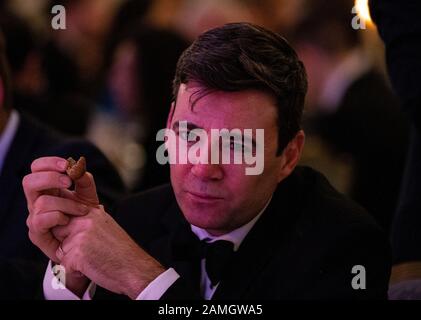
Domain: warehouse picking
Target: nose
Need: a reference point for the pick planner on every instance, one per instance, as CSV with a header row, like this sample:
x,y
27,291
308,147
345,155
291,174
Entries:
x,y
207,171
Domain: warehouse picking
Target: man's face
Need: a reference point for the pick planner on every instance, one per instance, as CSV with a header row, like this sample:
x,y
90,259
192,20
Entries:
x,y
221,197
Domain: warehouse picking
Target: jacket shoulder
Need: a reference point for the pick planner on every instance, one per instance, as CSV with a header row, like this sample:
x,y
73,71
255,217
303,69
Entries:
x,y
331,236
323,204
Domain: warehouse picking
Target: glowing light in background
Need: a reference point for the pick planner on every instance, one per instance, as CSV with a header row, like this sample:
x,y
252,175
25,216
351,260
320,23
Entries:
x,y
363,11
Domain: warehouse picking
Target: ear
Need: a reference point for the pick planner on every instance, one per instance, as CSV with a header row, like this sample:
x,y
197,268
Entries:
x,y
291,155
171,114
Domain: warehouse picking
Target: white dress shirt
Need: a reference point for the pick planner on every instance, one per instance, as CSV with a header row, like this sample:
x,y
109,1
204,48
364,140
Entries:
x,y
236,237
156,289
7,136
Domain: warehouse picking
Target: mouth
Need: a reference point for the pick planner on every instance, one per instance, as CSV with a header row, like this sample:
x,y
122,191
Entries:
x,y
203,197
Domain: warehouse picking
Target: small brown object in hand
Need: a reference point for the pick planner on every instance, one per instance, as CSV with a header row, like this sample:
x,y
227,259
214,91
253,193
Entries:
x,y
75,170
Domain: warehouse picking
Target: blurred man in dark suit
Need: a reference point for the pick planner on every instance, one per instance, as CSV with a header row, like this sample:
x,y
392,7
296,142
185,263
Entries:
x,y
217,232
21,141
352,108
399,25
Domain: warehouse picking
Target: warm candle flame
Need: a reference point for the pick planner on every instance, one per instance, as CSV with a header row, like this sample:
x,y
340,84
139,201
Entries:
x,y
363,10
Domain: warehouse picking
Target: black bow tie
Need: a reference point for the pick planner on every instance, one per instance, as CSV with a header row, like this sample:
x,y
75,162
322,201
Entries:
x,y
218,256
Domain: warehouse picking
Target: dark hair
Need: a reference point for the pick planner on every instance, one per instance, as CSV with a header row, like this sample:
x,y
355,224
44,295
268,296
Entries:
x,y
5,75
241,56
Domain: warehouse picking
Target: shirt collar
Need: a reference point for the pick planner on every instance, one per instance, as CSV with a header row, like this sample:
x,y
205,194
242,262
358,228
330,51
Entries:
x,y
8,134
236,236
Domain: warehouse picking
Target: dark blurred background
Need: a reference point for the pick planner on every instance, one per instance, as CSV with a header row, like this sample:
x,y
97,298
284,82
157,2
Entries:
x,y
108,75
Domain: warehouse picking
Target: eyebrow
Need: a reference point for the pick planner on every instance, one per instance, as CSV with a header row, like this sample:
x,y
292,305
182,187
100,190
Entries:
x,y
191,126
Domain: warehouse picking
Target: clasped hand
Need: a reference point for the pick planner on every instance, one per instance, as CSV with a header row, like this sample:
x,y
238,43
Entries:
x,y
75,231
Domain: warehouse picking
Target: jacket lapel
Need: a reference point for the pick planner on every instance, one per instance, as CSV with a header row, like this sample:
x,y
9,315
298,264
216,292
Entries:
x,y
263,242
256,249
179,246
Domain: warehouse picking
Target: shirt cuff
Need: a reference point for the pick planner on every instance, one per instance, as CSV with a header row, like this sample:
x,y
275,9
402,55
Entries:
x,y
156,289
55,289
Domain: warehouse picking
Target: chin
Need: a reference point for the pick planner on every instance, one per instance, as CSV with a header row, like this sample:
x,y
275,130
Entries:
x,y
205,219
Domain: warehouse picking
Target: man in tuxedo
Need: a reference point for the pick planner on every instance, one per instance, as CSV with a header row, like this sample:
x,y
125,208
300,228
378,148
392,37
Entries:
x,y
216,232
21,141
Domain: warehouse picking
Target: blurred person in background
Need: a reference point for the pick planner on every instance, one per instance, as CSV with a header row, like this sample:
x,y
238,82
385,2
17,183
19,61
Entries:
x,y
58,73
73,59
141,67
399,25
195,17
46,84
22,140
23,52
278,15
88,23
189,18
351,107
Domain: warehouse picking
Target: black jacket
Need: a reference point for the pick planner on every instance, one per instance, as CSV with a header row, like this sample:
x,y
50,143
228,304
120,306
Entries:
x,y
304,245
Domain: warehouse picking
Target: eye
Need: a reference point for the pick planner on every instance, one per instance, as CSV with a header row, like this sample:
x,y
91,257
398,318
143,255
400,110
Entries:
x,y
189,136
236,146
193,136
183,135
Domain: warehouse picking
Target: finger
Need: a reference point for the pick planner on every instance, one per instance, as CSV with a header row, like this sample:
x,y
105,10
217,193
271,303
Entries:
x,y
63,232
71,242
42,223
68,258
34,183
47,203
75,226
68,261
86,190
49,164
59,253
72,195
47,243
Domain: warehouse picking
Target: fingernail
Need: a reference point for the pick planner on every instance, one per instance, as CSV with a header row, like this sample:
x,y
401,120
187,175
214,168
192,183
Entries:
x,y
83,208
62,164
65,181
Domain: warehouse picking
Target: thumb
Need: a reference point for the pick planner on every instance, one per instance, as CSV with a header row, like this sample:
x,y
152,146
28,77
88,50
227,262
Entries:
x,y
85,189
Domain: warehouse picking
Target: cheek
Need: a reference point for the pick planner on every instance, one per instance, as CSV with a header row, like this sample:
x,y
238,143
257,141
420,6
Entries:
x,y
245,187
247,194
179,173
237,182
272,162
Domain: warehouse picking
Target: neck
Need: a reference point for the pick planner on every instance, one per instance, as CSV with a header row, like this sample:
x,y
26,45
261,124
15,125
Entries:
x,y
217,233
